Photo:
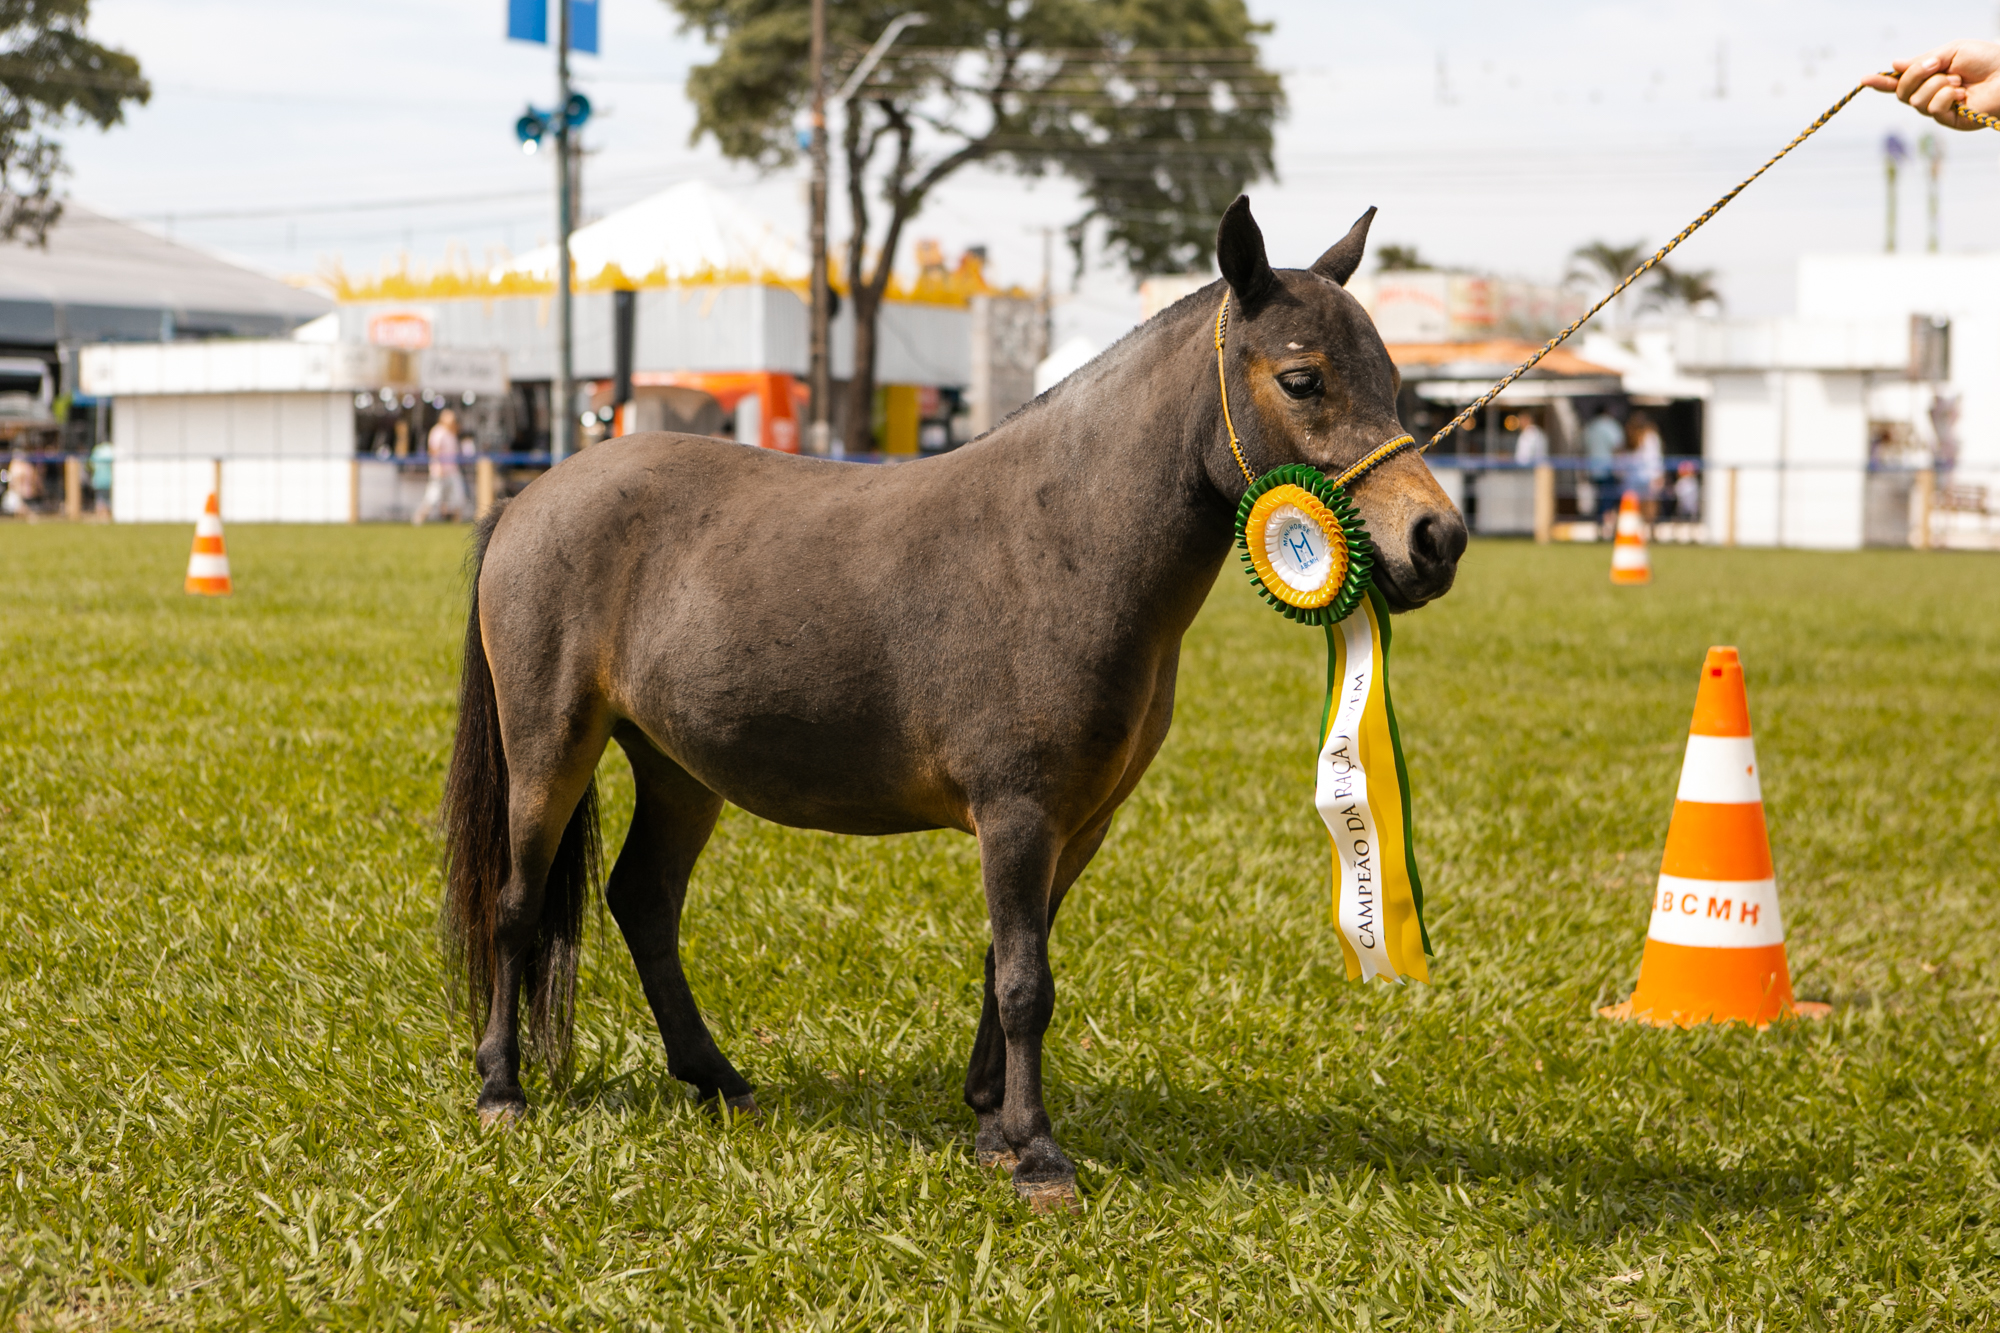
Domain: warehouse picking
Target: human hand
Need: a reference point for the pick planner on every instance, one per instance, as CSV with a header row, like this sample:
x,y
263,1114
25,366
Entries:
x,y
1942,80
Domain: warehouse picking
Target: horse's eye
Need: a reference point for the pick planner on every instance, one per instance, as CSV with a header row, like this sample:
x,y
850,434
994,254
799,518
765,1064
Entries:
x,y
1300,383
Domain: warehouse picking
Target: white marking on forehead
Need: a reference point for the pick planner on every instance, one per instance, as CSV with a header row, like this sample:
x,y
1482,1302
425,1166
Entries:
x,y
1294,347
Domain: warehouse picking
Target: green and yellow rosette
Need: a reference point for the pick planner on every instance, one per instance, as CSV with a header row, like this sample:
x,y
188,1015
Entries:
x,y
1307,553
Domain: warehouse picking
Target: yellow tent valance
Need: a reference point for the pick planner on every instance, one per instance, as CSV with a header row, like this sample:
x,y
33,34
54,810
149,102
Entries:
x,y
935,285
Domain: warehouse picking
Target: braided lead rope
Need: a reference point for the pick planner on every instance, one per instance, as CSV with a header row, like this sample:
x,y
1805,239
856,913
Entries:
x,y
1384,452
1979,116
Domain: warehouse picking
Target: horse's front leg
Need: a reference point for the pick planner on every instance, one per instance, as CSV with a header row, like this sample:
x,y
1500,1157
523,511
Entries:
x,y
1018,855
986,1073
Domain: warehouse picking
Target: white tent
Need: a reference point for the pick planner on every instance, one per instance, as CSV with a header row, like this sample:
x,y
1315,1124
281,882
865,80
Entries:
x,y
688,233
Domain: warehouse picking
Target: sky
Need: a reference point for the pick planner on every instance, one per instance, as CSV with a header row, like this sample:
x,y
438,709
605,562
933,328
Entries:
x,y
298,136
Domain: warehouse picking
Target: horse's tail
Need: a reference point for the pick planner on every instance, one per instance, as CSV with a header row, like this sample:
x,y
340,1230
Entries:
x,y
477,858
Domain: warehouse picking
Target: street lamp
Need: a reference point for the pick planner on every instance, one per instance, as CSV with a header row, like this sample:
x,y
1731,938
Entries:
x,y
820,440
1928,149
1894,153
533,126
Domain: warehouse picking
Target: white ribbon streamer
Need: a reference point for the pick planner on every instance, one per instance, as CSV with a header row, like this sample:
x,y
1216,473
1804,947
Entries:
x,y
1343,800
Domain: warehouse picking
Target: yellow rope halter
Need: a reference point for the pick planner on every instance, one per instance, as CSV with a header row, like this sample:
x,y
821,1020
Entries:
x,y
1376,457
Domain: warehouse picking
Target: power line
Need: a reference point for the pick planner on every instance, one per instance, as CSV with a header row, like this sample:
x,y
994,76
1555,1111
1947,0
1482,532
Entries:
x,y
362,206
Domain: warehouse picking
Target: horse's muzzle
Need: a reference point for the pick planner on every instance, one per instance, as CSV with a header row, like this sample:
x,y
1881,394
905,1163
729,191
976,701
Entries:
x,y
1432,544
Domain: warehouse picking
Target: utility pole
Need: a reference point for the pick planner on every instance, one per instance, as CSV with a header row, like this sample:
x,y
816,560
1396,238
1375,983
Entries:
x,y
1048,301
562,404
1893,153
820,440
1933,155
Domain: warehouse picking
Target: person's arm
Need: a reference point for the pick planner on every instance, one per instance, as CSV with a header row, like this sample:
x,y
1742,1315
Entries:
x,y
1940,81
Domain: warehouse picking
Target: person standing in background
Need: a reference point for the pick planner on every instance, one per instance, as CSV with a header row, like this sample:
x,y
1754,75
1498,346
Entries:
x,y
1649,465
1687,493
446,492
100,477
1531,446
1602,439
24,484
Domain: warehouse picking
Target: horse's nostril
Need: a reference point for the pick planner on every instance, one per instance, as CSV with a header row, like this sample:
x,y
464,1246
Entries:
x,y
1436,543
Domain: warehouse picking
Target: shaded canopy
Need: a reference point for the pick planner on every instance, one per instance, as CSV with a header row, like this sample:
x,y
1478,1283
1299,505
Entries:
x,y
100,279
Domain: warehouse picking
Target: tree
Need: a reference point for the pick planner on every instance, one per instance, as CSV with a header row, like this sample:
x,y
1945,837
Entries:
x,y
1602,262
1160,110
51,74
1400,259
1688,289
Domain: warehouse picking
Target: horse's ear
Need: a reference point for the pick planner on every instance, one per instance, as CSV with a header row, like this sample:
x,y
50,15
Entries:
x,y
1344,257
1239,253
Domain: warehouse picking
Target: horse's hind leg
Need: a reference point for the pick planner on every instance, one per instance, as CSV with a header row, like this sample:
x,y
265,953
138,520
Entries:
x,y
986,1074
671,822
544,790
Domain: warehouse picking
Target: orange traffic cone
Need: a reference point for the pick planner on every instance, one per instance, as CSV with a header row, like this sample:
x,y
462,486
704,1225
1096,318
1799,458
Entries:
x,y
1716,948
208,564
1629,563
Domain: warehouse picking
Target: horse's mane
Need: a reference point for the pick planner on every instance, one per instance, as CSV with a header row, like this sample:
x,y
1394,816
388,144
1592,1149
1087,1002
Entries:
x,y
1189,306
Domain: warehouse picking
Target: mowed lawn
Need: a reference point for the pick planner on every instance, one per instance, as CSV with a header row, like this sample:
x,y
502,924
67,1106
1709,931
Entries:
x,y
233,1094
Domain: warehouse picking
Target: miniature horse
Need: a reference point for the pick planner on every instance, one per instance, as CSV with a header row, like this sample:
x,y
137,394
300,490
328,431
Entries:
x,y
985,641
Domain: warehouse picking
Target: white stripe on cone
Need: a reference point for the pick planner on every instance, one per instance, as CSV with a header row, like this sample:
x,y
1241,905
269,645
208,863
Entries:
x,y
208,566
1720,770
208,525
1716,913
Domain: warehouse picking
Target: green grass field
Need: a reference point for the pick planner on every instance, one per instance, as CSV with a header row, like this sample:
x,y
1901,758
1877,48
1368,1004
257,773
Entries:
x,y
234,1094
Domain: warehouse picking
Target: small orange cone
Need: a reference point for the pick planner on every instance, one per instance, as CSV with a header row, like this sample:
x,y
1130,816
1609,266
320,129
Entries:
x,y
1629,562
1715,951
208,564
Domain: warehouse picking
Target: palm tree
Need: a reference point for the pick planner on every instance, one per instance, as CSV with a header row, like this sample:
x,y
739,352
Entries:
x,y
1685,288
1605,264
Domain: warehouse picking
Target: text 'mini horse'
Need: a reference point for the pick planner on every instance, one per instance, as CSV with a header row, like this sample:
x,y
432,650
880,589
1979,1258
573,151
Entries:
x,y
985,641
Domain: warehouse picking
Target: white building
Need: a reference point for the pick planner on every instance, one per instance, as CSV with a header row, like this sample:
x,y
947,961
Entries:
x,y
1823,427
277,418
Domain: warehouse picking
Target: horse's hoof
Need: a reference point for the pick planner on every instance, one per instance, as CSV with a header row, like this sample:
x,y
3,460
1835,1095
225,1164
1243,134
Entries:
x,y
504,1115
1051,1196
745,1106
990,1147
1046,1178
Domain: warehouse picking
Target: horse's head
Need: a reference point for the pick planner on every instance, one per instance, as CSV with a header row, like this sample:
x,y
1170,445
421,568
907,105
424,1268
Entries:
x,y
1310,382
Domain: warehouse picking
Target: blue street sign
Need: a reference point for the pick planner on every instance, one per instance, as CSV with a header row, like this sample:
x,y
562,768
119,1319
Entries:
x,y
528,21
583,26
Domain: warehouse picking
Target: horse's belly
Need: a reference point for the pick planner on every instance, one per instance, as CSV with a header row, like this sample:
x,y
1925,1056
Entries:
x,y
835,775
